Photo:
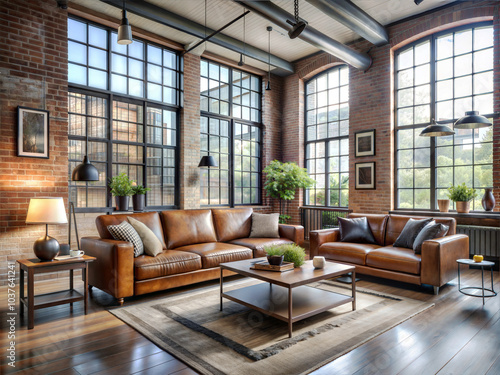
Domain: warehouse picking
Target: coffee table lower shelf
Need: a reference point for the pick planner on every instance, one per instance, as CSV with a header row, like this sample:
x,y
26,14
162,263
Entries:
x,y
272,300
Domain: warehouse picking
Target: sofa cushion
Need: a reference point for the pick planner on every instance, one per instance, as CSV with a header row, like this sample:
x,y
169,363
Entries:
x,y
169,262
355,230
377,223
395,259
257,244
410,232
151,219
430,231
347,252
265,226
231,224
126,232
152,245
214,253
188,227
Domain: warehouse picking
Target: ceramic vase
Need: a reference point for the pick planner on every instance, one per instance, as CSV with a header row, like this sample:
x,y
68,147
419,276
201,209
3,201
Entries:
x,y
121,203
488,200
462,207
444,205
139,202
275,260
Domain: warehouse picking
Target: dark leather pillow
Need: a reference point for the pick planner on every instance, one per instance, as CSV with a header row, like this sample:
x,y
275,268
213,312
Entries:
x,y
355,230
430,231
410,232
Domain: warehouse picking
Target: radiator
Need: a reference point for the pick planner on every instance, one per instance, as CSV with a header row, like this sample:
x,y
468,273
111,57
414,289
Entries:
x,y
482,240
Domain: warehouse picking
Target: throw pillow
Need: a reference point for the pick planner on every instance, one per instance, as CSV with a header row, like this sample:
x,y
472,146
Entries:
x,y
126,232
430,231
265,226
355,230
152,245
410,232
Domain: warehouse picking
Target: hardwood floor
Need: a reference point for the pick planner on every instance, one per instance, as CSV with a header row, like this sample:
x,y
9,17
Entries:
x,y
458,336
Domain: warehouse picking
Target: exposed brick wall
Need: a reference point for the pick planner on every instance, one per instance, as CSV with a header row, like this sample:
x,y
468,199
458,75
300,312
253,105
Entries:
x,y
33,73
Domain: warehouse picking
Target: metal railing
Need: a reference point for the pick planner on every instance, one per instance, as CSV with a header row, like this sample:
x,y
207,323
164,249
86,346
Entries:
x,y
312,217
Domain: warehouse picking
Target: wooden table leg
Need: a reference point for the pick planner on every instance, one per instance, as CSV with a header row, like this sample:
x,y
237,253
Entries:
x,y
85,272
31,299
21,291
290,312
353,286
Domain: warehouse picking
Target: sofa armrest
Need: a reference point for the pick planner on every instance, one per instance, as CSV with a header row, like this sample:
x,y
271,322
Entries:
x,y
439,257
321,236
113,269
294,233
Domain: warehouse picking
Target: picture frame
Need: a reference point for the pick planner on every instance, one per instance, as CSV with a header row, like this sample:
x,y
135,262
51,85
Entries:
x,y
364,142
365,176
32,132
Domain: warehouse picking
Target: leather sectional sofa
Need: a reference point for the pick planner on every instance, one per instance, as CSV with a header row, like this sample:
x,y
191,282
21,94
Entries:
x,y
436,265
195,242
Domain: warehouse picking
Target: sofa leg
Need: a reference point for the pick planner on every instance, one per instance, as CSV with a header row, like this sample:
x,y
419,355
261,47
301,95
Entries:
x,y
436,290
120,301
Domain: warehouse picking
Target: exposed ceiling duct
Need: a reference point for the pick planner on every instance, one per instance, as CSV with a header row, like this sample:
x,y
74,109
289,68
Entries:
x,y
354,18
310,35
167,18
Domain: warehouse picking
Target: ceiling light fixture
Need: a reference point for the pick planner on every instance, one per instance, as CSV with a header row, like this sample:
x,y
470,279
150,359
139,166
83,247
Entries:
x,y
436,130
299,24
124,31
242,62
417,2
268,86
472,120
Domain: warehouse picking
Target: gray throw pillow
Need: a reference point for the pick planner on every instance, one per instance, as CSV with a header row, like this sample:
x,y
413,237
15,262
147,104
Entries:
x,y
265,226
430,231
410,232
152,245
355,230
126,232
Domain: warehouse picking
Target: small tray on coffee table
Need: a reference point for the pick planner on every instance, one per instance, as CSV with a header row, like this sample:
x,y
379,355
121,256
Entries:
x,y
265,266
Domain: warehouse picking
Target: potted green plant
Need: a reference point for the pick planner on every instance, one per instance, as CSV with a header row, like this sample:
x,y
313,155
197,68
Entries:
x,y
138,197
462,195
282,180
275,255
121,188
291,253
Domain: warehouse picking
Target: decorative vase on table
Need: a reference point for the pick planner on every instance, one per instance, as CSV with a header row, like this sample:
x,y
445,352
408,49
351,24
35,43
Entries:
x,y
488,200
462,207
444,205
275,260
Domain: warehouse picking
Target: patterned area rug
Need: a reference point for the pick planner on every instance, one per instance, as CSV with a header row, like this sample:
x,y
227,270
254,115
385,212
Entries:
x,y
241,341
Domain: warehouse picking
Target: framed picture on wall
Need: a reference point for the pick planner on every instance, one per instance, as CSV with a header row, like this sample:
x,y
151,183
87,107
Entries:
x,y
32,132
365,143
365,175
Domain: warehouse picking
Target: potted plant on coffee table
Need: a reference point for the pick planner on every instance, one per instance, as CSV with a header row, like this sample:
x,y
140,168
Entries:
x,y
121,189
138,197
290,252
461,195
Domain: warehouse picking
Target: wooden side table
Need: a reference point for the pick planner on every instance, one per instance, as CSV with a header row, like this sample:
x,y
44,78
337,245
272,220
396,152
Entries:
x,y
34,266
484,263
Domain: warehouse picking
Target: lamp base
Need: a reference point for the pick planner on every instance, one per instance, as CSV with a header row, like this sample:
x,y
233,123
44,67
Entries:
x,y
46,248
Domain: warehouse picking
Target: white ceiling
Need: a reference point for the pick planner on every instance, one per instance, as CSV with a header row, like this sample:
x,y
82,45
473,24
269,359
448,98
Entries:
x,y
220,12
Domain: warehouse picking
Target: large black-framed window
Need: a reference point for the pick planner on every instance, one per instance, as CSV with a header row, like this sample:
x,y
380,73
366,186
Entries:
x,y
441,77
230,131
125,99
327,137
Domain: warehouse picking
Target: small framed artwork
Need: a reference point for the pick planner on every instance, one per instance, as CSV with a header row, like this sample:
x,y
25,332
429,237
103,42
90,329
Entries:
x,y
365,143
32,132
365,175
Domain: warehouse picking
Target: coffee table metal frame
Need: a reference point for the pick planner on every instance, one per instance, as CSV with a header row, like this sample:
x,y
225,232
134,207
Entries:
x,y
302,302
482,264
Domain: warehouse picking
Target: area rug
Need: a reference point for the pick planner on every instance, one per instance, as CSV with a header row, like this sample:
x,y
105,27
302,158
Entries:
x,y
241,341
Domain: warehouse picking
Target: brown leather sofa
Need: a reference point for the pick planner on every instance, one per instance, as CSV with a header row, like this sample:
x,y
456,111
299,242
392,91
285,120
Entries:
x,y
195,242
435,266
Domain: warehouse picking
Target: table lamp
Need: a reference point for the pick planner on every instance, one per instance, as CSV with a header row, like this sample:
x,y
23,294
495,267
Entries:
x,y
46,211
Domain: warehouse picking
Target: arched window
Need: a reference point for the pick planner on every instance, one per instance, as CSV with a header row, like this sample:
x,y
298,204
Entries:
x,y
327,137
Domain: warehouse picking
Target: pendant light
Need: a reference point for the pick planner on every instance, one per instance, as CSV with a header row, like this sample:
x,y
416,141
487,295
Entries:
x,y
268,86
299,25
472,120
207,161
436,130
124,31
241,62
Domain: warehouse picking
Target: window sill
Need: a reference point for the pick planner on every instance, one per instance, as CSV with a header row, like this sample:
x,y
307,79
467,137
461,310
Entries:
x,y
490,219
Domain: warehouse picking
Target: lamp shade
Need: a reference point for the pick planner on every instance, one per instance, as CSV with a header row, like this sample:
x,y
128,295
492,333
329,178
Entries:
x,y
436,130
124,30
297,29
207,161
85,171
472,120
46,211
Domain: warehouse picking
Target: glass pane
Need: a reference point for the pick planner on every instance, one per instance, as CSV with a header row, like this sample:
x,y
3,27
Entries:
x,y
463,42
77,74
77,30
483,37
483,60
405,59
77,52
98,78
98,58
444,47
154,54
463,65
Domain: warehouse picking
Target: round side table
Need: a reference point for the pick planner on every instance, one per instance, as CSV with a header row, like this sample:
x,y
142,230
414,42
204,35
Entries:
x,y
484,263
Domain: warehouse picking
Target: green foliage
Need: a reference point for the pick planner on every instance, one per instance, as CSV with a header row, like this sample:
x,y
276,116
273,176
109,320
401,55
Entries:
x,y
283,179
139,190
284,219
121,185
461,193
292,253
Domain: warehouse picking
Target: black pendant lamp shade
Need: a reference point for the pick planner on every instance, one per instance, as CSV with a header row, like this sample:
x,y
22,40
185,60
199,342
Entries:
x,y
472,120
124,30
208,161
436,130
85,171
299,24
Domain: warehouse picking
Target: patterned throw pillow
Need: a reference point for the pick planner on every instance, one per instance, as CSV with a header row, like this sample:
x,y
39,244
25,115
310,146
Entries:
x,y
126,232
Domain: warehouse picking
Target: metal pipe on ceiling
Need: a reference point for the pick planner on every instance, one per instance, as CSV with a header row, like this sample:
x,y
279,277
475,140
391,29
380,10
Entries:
x,y
167,18
354,18
310,35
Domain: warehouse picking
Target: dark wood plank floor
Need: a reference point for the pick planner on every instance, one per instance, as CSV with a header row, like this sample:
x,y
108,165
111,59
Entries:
x,y
458,336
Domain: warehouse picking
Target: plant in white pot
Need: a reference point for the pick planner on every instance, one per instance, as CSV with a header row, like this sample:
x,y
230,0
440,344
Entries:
x,y
121,189
462,195
139,197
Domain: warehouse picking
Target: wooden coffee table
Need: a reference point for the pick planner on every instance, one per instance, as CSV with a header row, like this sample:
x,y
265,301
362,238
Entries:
x,y
303,301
